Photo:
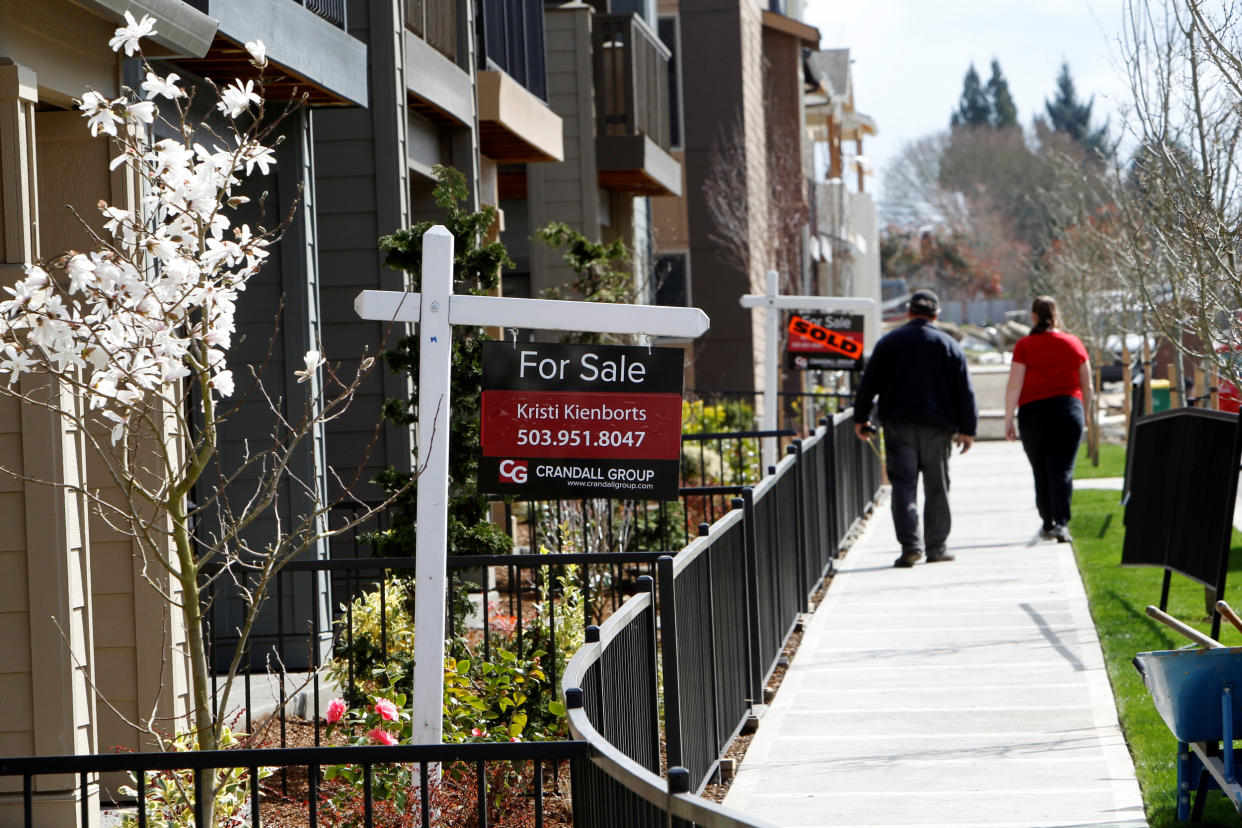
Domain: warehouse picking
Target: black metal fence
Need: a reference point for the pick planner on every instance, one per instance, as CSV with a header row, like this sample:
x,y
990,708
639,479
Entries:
x,y
686,645
313,805
726,605
797,410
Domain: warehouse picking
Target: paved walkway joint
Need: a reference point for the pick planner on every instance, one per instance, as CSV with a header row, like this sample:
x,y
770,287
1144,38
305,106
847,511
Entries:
x,y
969,693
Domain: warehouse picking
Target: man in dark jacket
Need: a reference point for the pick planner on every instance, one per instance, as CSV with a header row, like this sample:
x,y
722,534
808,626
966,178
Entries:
x,y
927,403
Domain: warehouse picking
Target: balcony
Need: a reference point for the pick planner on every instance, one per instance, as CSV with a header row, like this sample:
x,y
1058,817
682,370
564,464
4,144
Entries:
x,y
516,125
332,11
632,108
435,21
307,43
511,40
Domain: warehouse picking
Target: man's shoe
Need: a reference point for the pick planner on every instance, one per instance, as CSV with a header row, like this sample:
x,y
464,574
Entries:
x,y
1061,534
937,558
907,559
1047,533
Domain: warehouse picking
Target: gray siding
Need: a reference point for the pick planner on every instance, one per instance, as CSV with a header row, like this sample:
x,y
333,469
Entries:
x,y
567,191
360,172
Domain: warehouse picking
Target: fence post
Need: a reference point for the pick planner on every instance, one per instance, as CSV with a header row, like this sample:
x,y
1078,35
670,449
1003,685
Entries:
x,y
704,531
752,594
804,585
830,486
668,655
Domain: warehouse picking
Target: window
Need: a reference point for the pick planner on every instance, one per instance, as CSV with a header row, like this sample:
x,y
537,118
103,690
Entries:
x,y
672,284
669,30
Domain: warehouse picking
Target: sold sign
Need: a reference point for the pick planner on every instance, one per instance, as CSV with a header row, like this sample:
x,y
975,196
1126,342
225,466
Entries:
x,y
825,342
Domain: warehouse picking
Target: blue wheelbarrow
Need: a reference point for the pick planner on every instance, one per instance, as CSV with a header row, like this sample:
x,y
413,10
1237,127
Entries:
x,y
1198,693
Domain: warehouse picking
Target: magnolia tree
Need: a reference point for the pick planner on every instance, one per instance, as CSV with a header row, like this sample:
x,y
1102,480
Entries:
x,y
134,336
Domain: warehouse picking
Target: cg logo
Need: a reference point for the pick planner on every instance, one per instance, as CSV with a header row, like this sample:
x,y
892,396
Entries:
x,y
513,471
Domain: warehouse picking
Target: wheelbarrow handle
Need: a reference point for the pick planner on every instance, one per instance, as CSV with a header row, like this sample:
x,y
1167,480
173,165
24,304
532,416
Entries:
x,y
1186,630
1228,614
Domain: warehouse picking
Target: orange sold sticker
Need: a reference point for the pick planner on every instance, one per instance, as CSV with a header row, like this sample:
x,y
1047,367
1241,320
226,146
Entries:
x,y
824,338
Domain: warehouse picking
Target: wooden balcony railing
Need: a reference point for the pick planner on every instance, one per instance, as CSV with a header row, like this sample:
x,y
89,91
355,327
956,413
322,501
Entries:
x,y
511,40
631,79
435,21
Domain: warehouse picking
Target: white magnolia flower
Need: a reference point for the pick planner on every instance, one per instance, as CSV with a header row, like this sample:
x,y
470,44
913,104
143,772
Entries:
x,y
155,86
119,423
223,383
313,360
259,156
15,362
101,113
81,273
258,53
137,114
236,99
127,36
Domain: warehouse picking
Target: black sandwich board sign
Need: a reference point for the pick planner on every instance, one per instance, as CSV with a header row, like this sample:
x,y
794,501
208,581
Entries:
x,y
824,342
580,421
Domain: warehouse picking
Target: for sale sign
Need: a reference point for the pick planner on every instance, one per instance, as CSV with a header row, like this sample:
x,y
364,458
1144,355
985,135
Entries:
x,y
824,342
580,421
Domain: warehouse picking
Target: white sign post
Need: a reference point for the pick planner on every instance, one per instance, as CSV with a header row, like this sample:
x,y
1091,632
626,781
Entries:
x,y
436,310
774,305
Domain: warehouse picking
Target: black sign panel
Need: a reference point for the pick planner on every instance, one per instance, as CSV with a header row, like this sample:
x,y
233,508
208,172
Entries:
x,y
580,421
1179,511
824,342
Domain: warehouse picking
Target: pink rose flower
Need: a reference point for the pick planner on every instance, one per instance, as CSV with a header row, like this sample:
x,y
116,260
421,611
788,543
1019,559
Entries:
x,y
514,739
386,710
336,709
476,732
382,737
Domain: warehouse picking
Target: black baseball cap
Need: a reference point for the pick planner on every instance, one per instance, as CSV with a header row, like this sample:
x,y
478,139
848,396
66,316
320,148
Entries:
x,y
925,302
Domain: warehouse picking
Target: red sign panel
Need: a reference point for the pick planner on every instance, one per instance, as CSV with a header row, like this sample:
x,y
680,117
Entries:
x,y
561,424
580,421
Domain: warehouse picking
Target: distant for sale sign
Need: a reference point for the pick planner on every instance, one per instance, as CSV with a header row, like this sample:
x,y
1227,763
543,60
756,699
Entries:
x,y
580,421
824,342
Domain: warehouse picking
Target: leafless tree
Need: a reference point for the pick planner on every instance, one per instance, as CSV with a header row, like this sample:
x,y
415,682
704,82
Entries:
x,y
774,239
1179,199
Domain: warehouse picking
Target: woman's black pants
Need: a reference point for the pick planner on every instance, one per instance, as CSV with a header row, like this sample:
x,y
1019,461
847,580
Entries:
x,y
1051,430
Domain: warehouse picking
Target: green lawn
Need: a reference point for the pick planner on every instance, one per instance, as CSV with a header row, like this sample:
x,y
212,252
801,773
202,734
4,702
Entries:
x,y
1112,462
1118,597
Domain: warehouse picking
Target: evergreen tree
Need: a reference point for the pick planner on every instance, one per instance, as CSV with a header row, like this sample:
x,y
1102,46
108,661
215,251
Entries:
x,y
1004,113
476,270
974,109
1069,116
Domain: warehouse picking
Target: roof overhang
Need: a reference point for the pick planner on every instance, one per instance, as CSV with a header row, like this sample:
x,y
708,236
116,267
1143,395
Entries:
x,y
180,29
514,125
795,28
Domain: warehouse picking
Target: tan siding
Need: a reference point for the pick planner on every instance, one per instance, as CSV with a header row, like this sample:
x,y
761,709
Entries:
x,y
13,596
16,692
15,655
13,519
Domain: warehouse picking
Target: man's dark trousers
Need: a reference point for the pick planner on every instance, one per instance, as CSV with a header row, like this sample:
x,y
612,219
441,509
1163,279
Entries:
x,y
914,447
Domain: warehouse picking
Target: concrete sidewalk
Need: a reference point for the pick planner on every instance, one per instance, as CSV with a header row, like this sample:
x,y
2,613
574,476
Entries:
x,y
970,693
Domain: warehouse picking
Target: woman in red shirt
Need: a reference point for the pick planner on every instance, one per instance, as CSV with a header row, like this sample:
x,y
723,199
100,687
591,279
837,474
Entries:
x,y
1050,388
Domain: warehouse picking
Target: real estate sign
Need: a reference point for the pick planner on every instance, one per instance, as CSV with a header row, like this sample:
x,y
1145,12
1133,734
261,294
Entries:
x,y
580,421
824,342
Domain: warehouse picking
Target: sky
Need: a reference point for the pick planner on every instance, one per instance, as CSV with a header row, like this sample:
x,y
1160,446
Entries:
x,y
910,57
